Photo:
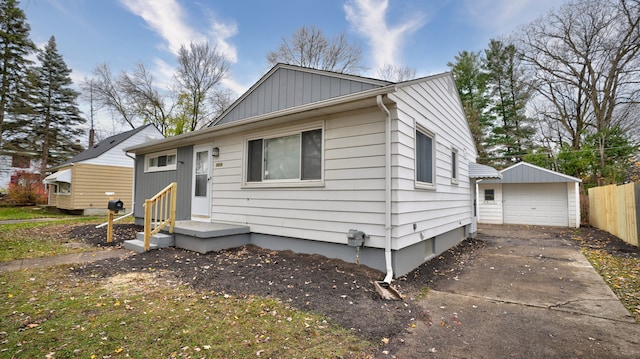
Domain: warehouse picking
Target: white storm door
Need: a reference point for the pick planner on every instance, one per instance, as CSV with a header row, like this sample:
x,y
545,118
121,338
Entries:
x,y
201,188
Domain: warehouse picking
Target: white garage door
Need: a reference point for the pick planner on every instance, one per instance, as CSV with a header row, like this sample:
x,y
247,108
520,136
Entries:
x,y
542,204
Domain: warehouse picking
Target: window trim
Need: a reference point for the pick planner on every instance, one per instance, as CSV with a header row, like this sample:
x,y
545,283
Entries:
x,y
283,183
149,156
455,166
419,184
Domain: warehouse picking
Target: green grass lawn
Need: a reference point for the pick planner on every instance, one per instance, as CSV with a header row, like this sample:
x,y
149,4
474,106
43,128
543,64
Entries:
x,y
40,239
621,274
56,313
7,213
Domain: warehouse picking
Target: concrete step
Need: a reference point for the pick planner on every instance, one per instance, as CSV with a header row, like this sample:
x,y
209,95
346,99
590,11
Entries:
x,y
160,239
137,245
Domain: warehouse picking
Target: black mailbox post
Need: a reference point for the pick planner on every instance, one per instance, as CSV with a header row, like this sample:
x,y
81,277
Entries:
x,y
115,205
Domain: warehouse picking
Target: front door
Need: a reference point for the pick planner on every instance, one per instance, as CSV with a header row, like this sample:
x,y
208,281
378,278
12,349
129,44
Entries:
x,y
200,193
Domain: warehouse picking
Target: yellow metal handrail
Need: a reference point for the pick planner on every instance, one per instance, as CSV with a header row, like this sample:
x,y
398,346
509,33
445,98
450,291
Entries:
x,y
159,212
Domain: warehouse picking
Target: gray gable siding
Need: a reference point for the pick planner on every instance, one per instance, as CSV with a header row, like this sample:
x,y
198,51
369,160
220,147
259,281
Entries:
x,y
287,88
524,173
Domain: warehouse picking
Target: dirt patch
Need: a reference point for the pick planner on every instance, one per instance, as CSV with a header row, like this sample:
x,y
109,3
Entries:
x,y
340,291
98,236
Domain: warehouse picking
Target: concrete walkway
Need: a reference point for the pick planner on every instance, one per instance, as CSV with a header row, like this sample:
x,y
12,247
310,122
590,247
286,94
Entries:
x,y
82,257
529,294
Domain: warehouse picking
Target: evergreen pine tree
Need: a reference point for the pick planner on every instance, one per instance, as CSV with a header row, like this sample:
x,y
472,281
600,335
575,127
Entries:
x,y
56,122
15,46
471,81
512,132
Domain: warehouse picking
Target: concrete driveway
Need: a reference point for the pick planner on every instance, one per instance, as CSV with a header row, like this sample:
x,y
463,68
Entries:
x,y
528,294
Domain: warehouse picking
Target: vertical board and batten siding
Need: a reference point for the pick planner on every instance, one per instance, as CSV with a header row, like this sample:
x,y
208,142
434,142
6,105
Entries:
x,y
148,184
490,212
287,88
434,106
90,182
352,195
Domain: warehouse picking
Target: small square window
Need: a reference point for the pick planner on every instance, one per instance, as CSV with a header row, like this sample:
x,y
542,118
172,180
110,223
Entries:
x,y
489,195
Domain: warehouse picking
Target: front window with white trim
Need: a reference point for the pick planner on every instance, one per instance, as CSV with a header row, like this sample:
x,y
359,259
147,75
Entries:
x,y
161,161
294,157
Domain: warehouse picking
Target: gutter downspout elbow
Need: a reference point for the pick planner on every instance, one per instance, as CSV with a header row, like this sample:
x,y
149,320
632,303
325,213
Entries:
x,y
387,197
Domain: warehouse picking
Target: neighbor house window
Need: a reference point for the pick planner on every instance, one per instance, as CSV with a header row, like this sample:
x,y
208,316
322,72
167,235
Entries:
x,y
161,161
489,195
454,166
20,162
425,169
294,157
63,188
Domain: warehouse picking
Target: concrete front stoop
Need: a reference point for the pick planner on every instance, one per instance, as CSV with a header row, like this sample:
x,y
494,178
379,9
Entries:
x,y
158,240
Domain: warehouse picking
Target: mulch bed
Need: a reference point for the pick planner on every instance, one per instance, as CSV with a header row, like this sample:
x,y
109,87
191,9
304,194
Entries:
x,y
340,291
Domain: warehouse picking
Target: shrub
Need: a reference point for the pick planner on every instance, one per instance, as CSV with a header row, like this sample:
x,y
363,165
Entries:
x,y
26,188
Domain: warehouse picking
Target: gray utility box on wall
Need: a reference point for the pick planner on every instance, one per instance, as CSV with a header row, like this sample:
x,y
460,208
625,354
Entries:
x,y
356,238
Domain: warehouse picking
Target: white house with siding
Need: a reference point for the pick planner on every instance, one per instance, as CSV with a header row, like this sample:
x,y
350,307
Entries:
x,y
305,156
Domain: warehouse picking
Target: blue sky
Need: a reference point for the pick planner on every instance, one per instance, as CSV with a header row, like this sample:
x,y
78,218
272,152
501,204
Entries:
x,y
421,34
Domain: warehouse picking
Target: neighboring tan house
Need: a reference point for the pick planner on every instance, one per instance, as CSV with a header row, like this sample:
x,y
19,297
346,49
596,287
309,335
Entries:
x,y
528,194
85,182
305,156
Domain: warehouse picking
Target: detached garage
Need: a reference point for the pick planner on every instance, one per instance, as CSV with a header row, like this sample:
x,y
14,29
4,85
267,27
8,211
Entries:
x,y
528,194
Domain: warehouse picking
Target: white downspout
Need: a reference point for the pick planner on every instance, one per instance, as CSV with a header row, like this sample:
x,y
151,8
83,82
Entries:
x,y
387,197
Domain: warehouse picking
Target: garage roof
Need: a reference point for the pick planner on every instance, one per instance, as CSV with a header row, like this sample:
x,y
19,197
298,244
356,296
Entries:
x,y
524,172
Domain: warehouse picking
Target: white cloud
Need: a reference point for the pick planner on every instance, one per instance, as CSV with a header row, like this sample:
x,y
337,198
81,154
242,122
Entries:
x,y
368,17
221,33
166,18
234,86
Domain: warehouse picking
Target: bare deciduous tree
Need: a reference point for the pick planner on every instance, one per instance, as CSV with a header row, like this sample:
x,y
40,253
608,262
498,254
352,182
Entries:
x,y
396,73
104,90
150,104
201,68
309,48
585,56
133,96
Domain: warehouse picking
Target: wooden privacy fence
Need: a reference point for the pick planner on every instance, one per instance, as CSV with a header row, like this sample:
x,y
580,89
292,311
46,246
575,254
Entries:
x,y
615,209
